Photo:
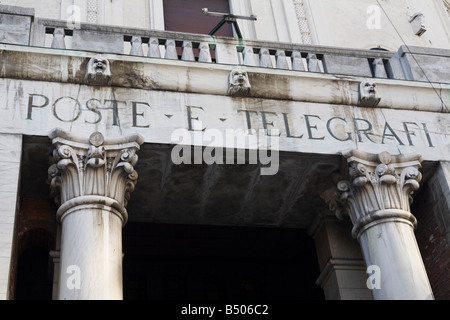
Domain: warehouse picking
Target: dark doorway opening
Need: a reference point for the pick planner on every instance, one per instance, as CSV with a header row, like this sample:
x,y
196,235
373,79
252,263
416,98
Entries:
x,y
164,262
34,275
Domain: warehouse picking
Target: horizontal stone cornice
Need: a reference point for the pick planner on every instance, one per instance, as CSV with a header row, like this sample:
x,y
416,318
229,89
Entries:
x,y
67,66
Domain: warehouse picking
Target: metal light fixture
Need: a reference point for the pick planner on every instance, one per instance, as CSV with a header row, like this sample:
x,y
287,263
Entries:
x,y
227,18
417,24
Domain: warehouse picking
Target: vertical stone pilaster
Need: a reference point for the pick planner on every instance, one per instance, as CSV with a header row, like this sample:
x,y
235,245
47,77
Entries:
x,y
55,255
376,196
342,268
92,179
156,13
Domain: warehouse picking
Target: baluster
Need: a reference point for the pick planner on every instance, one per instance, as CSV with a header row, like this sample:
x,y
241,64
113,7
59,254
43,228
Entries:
x,y
153,48
313,62
264,58
136,46
188,53
378,68
59,39
281,60
249,56
297,62
171,50
205,54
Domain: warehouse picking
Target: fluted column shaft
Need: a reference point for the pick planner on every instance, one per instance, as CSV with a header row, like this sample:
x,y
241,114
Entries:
x,y
91,180
376,196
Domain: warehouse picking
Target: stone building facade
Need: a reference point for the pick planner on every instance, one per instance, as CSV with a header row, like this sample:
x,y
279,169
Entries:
x,y
145,159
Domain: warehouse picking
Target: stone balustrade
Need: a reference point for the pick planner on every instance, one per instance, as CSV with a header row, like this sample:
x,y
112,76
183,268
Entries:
x,y
59,34
203,48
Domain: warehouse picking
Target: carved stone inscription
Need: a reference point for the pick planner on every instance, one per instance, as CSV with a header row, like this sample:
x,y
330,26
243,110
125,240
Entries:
x,y
36,108
359,129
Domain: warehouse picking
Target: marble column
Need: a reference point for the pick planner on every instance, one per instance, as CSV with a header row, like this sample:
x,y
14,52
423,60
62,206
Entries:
x,y
92,178
376,196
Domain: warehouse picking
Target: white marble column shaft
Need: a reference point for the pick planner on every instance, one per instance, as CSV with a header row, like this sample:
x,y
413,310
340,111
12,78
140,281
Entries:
x,y
92,180
391,245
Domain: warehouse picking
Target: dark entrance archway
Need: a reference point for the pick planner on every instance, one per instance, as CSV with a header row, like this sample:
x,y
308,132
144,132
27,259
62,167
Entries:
x,y
164,261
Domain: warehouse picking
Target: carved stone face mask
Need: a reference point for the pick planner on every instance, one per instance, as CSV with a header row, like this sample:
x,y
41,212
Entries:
x,y
98,71
368,94
239,84
100,65
370,88
239,78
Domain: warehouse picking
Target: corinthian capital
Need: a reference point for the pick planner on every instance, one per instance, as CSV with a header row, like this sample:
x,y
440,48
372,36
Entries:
x,y
93,168
378,186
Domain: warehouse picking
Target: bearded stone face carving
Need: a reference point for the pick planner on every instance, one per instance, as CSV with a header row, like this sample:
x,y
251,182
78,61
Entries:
x,y
368,96
98,71
238,84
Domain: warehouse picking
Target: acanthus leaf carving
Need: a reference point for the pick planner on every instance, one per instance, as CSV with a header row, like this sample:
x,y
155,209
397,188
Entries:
x,y
123,177
377,183
87,168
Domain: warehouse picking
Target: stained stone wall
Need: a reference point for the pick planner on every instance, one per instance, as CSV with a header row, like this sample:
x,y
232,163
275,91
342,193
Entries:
x,y
10,160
